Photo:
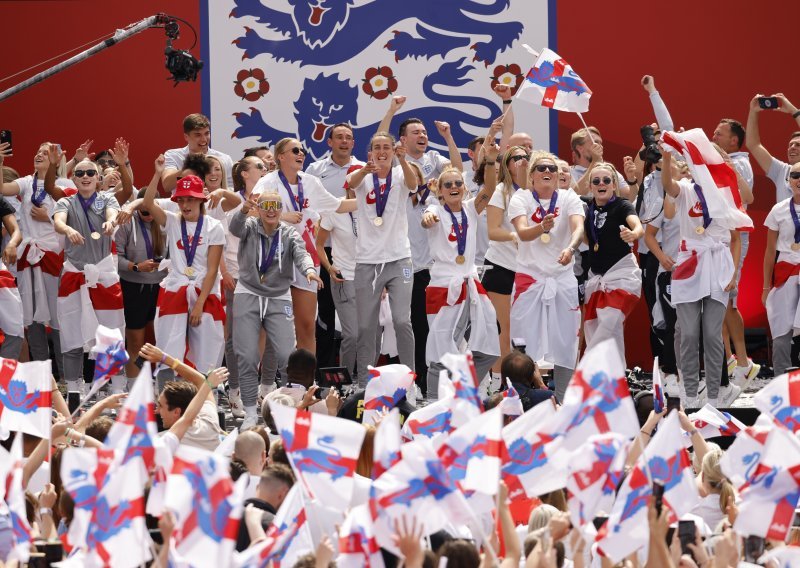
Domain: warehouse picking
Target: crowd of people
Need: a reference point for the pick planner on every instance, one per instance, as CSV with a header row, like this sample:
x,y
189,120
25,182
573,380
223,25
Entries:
x,y
520,258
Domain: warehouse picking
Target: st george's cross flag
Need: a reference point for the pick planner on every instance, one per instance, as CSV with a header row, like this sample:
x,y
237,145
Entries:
x,y
323,451
712,423
740,461
135,431
386,387
26,397
511,404
472,453
387,443
358,547
13,502
433,421
780,399
552,83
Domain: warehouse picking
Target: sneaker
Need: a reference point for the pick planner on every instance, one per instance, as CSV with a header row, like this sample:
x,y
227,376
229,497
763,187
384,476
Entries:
x,y
249,422
743,376
671,385
235,402
263,391
727,395
495,384
692,402
731,365
418,393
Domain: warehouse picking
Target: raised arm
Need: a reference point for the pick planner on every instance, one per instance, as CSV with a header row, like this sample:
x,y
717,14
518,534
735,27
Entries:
x,y
659,107
155,355
54,157
671,186
504,92
204,391
149,202
11,188
489,151
452,148
386,122
357,177
120,155
409,175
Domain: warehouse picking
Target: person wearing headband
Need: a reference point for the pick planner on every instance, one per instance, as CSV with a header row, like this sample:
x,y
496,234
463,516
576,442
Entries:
x,y
269,252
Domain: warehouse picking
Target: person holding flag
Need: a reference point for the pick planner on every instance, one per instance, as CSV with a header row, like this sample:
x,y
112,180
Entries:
x,y
544,309
269,252
615,282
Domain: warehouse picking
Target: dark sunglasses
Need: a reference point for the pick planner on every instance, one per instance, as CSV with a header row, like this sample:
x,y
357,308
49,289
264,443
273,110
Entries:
x,y
259,165
794,175
519,157
296,151
144,213
605,181
450,184
542,168
81,173
107,163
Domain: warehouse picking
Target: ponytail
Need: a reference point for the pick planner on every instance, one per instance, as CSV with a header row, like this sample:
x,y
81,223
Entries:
x,y
238,180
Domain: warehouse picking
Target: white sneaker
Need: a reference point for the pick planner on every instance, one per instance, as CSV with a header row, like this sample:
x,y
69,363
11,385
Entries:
x,y
692,402
671,385
235,402
263,391
743,376
249,422
495,384
727,395
731,365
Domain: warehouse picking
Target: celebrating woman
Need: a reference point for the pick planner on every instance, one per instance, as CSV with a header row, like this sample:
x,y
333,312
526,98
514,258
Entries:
x,y
190,315
10,301
544,311
501,256
615,281
89,292
269,252
304,198
455,298
782,297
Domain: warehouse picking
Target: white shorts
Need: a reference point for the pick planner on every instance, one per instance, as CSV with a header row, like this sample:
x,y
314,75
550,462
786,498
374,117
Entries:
x,y
301,282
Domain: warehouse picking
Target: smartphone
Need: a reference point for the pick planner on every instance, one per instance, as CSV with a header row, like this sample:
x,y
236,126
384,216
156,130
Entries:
x,y
687,533
320,393
768,103
5,136
73,401
139,362
753,548
333,377
658,495
673,403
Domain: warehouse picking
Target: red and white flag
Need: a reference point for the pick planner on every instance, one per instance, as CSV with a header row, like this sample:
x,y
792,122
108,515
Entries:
x,y
387,443
712,423
26,397
323,451
134,432
13,503
740,460
716,178
433,421
466,403
472,453
552,83
387,386
207,506
626,530
511,404
768,502
659,398
358,547
780,399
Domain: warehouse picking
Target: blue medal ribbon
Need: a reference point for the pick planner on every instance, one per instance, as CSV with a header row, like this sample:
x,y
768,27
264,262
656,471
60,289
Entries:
x,y
266,260
353,223
460,231
550,208
381,197
593,218
422,193
148,245
37,197
796,222
297,201
706,217
189,249
85,205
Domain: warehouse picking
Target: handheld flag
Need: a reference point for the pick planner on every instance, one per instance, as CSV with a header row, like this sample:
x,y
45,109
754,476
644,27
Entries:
x,y
134,432
512,404
659,399
387,443
552,83
14,497
471,453
387,386
780,399
26,397
712,423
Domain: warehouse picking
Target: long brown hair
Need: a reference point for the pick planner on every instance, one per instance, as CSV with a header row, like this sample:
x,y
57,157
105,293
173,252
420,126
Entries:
x,y
156,236
505,173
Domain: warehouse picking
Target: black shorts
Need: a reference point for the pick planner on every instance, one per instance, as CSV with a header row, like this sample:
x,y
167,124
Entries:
x,y
139,302
582,274
498,279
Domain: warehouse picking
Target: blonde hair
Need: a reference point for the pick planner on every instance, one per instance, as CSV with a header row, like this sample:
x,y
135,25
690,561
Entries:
x,y
541,516
579,137
539,156
505,174
224,176
716,480
280,147
614,174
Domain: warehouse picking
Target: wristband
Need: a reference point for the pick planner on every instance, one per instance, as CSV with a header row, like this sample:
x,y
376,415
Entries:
x,y
205,379
508,102
45,511
164,359
648,434
82,442
693,432
796,114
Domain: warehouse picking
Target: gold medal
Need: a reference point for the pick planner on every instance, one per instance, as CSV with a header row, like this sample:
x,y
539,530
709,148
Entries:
x,y
795,246
95,235
378,221
596,247
262,277
700,230
460,259
545,238
189,272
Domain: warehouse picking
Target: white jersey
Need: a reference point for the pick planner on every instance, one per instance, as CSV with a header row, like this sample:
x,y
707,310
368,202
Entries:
x,y
344,230
690,216
780,219
389,241
174,158
483,231
444,243
211,234
779,174
43,234
502,253
536,256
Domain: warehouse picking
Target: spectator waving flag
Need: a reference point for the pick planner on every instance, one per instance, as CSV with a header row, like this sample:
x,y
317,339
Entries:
x,y
135,430
741,459
712,423
659,399
357,545
387,386
110,354
768,502
434,421
552,83
323,451
387,443
717,178
626,530
25,397
780,399
13,494
511,404
467,402
472,452
207,507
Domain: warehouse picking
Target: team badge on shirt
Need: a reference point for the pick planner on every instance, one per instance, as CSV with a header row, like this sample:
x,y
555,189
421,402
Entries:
x,y
98,204
600,219
288,311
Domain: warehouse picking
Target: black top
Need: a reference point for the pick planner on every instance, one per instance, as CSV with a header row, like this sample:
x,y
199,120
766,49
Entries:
x,y
243,540
5,208
607,220
353,407
530,396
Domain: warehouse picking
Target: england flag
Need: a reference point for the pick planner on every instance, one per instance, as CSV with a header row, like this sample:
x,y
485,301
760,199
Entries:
x,y
26,397
552,83
780,399
387,386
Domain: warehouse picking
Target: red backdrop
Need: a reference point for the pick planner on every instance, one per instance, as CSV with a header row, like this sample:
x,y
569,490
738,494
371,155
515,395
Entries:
x,y
708,61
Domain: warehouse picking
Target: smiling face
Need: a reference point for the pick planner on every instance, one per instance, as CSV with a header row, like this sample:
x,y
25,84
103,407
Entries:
x,y
214,176
268,158
40,160
604,183
452,189
198,140
253,170
168,417
793,152
415,139
517,164
270,206
381,152
544,175
291,157
341,143
86,177
564,174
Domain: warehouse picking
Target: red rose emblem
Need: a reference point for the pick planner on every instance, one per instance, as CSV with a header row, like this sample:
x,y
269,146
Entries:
x,y
379,82
509,75
251,84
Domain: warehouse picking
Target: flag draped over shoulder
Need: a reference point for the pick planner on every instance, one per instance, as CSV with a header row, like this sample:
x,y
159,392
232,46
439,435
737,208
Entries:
x,y
552,83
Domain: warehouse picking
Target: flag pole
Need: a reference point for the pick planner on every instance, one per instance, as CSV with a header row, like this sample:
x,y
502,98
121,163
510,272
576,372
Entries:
x,y
591,138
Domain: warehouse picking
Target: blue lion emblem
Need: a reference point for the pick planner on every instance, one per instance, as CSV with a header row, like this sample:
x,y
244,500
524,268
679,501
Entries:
x,y
210,504
108,522
789,416
666,472
545,77
437,484
17,398
330,32
328,99
524,457
637,499
435,425
458,462
314,460
386,401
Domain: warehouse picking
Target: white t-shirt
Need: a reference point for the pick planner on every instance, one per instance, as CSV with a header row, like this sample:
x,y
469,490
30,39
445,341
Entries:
x,y
389,242
431,163
43,233
502,253
482,235
343,229
651,196
211,234
204,433
689,213
780,220
444,244
175,157
779,174
536,254
332,175
668,236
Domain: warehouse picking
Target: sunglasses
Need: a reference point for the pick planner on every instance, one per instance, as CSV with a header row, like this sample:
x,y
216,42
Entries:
x,y
604,181
794,175
144,213
519,157
297,151
259,166
81,173
451,184
542,168
271,205
107,163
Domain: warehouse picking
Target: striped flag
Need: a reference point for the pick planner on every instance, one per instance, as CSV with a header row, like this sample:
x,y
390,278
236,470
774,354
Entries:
x,y
552,83
659,400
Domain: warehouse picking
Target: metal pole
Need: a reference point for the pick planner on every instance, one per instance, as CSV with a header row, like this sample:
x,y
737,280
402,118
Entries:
x,y
119,36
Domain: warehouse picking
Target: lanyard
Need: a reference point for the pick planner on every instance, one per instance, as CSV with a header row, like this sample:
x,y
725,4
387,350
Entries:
x,y
189,249
85,205
381,197
148,245
593,220
796,222
266,261
37,197
460,231
706,217
551,207
297,202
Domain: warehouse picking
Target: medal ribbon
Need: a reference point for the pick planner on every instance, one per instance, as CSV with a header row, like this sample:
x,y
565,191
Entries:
x,y
266,261
297,202
353,223
381,197
706,217
86,204
593,217
460,231
148,245
37,197
552,206
422,193
190,249
796,222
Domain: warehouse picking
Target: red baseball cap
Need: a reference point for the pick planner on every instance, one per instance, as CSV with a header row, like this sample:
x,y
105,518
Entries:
x,y
189,186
